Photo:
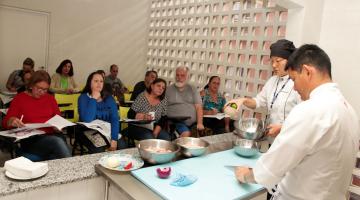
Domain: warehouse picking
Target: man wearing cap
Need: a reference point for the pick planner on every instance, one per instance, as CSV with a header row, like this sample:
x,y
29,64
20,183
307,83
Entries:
x,y
277,95
314,155
15,80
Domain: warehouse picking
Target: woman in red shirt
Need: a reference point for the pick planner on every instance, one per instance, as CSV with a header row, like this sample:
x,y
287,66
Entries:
x,y
35,105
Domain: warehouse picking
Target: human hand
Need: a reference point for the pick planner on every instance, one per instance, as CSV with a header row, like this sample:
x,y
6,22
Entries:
x,y
244,174
273,130
214,111
15,122
143,116
235,103
113,145
200,127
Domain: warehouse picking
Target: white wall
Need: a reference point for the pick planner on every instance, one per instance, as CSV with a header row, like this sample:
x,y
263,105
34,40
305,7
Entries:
x,y
335,27
340,37
94,34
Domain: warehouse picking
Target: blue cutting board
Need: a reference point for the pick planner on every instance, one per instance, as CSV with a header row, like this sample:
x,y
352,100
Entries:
x,y
214,180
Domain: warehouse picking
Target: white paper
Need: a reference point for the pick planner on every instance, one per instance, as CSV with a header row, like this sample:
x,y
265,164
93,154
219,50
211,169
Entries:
x,y
6,99
149,126
131,120
4,110
57,121
103,127
19,135
31,129
218,116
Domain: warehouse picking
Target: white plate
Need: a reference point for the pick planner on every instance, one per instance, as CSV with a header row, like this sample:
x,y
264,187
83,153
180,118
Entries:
x,y
12,176
124,160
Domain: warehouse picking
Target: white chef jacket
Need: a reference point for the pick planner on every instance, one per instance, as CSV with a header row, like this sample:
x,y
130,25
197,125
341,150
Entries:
x,y
287,98
314,154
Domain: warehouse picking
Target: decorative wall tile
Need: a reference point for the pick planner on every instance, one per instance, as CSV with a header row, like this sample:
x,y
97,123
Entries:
x,y
230,39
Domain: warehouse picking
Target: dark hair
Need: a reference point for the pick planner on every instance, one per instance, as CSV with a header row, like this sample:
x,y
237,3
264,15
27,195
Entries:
x,y
62,64
282,48
111,66
87,88
29,61
101,72
151,71
162,96
211,78
309,54
39,76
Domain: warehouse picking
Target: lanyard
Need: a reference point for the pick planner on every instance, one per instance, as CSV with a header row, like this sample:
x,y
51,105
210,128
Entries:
x,y
277,94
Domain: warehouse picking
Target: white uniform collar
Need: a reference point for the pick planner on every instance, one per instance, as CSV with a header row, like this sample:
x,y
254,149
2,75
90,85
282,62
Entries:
x,y
321,88
283,78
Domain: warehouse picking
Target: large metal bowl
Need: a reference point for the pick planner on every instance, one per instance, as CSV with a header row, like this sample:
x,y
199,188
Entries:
x,y
249,128
192,147
246,148
157,151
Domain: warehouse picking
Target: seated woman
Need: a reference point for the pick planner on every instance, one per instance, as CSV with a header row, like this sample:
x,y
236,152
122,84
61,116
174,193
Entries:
x,y
95,103
62,80
213,103
35,105
150,101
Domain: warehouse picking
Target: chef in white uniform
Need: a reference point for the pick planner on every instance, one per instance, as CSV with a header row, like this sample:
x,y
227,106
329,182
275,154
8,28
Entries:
x,y
277,95
314,154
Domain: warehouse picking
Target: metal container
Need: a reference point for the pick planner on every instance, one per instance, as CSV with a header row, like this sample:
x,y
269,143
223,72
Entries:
x,y
246,148
249,128
192,147
157,151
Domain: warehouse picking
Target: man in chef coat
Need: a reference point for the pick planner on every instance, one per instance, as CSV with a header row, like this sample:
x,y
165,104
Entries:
x,y
314,154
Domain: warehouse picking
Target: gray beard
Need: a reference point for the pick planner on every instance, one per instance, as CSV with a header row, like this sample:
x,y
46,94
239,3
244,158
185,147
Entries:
x,y
180,84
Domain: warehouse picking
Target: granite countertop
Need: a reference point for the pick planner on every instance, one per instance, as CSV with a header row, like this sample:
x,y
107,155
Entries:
x,y
74,169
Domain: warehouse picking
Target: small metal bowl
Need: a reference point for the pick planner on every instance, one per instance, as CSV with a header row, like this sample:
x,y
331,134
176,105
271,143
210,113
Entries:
x,y
192,147
246,148
157,151
249,128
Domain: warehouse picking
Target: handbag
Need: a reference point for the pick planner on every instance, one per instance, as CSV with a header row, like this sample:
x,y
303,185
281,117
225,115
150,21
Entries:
x,y
96,138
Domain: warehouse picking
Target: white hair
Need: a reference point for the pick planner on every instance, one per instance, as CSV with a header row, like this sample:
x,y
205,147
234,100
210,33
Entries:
x,y
183,68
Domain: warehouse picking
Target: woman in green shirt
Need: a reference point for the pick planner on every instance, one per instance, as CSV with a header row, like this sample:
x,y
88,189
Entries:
x,y
62,81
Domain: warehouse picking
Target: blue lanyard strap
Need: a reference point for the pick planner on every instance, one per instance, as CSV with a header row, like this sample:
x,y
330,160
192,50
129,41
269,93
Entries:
x,y
276,94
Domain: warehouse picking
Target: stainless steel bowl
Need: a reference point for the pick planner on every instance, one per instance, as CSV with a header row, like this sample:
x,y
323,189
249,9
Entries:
x,y
249,128
157,151
192,147
246,148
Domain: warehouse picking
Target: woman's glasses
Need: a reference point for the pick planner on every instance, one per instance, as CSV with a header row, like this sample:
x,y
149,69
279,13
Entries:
x,y
40,89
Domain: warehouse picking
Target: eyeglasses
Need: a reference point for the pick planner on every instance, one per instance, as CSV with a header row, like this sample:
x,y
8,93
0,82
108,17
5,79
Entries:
x,y
40,89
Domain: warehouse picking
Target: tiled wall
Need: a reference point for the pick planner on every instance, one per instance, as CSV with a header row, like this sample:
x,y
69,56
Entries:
x,y
230,39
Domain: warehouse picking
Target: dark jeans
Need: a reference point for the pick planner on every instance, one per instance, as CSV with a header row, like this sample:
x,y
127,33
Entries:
x,y
217,126
47,146
81,139
140,133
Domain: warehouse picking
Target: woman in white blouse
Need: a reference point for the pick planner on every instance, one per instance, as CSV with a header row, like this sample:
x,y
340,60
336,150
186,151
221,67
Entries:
x,y
277,95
